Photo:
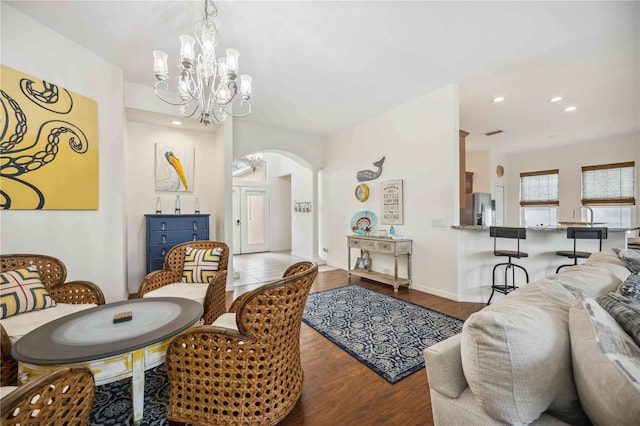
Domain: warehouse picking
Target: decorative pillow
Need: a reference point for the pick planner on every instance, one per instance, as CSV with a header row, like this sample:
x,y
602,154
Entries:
x,y
631,287
606,365
22,291
630,257
516,355
625,311
200,265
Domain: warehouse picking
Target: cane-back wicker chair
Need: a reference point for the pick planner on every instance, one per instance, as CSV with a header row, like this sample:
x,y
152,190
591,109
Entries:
x,y
61,397
53,274
167,282
215,299
247,375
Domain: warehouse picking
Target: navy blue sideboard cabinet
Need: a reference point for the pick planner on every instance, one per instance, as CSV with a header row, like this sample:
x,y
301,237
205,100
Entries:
x,y
166,230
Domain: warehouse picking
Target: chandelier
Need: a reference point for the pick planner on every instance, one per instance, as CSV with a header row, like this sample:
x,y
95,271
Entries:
x,y
255,161
206,84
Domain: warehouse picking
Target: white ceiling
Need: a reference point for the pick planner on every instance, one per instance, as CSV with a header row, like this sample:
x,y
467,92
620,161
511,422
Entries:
x,y
319,66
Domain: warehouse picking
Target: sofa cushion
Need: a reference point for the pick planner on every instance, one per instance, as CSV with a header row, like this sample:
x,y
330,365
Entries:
x,y
624,311
631,287
609,261
200,265
606,365
19,325
590,279
630,257
22,291
194,291
516,355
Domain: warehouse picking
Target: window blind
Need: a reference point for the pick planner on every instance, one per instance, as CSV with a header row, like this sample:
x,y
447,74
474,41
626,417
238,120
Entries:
x,y
609,184
539,188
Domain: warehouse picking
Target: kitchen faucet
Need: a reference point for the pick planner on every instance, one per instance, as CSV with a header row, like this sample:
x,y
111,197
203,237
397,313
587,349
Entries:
x,y
590,215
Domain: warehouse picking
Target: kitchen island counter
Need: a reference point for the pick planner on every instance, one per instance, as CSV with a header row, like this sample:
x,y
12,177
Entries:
x,y
476,259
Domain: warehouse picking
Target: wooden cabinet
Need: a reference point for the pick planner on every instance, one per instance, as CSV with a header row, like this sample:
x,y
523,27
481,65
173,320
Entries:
x,y
396,248
463,167
166,230
468,183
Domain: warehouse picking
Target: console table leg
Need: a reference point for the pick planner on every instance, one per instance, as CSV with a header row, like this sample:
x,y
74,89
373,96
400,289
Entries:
x,y
137,385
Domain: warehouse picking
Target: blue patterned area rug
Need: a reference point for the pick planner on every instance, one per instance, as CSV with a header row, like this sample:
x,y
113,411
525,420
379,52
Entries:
x,y
113,405
385,333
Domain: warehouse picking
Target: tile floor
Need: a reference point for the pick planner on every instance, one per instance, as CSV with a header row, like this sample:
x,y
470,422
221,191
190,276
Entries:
x,y
257,268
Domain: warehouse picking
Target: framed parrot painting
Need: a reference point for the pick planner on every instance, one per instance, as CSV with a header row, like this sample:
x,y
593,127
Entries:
x,y
174,167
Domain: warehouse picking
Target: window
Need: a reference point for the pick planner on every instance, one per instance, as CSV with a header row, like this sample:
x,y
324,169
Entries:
x,y
609,184
539,198
610,191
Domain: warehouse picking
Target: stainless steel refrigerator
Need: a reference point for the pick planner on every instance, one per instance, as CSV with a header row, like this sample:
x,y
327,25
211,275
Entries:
x,y
477,210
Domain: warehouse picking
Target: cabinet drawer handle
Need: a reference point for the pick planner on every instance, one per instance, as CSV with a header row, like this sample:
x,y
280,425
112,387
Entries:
x,y
164,251
195,237
195,225
163,226
164,239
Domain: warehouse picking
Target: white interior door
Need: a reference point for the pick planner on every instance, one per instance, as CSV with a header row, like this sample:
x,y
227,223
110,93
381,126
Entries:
x,y
236,219
251,224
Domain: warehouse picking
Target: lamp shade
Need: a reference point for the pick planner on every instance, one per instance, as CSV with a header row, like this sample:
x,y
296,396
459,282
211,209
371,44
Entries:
x,y
245,85
160,63
232,60
187,48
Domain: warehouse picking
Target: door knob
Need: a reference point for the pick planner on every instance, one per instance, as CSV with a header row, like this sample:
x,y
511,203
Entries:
x,y
238,222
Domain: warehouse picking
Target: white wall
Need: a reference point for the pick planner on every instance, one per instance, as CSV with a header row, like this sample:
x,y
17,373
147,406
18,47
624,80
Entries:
x,y
569,159
141,193
479,162
251,137
90,243
281,213
420,142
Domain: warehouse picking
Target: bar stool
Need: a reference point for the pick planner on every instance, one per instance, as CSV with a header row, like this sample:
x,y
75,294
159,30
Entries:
x,y
513,233
581,233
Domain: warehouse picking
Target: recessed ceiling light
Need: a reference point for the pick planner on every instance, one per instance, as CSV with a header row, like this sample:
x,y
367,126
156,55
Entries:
x,y
570,108
177,123
498,99
555,99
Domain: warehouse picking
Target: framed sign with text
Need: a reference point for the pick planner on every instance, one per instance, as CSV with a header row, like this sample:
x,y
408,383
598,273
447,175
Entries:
x,y
392,208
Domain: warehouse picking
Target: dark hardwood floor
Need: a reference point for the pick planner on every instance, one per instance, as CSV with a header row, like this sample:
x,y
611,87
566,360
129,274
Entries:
x,y
339,390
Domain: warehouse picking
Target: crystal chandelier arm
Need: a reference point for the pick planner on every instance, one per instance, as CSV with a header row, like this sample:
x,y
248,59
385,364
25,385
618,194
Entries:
x,y
166,87
243,103
184,113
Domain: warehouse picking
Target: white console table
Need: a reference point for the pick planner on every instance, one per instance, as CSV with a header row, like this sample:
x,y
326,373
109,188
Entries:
x,y
395,247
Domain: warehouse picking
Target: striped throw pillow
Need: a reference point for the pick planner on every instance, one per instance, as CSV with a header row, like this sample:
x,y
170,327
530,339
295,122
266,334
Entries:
x,y
22,291
200,265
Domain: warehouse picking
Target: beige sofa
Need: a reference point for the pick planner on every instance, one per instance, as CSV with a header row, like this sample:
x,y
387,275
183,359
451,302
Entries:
x,y
535,357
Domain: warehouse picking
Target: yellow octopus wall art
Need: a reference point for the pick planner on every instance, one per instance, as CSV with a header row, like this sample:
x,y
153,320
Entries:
x,y
48,145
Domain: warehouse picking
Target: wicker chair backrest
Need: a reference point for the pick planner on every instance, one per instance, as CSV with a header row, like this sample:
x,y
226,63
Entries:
x,y
249,377
63,396
174,260
52,271
296,268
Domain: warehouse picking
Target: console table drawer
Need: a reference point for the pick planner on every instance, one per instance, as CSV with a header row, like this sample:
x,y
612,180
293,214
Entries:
x,y
385,247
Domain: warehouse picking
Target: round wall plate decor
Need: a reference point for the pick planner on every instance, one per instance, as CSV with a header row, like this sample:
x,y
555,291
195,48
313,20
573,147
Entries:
x,y
362,192
499,171
363,222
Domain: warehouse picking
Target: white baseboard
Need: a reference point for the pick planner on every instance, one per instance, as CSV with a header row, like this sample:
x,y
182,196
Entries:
x,y
447,294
